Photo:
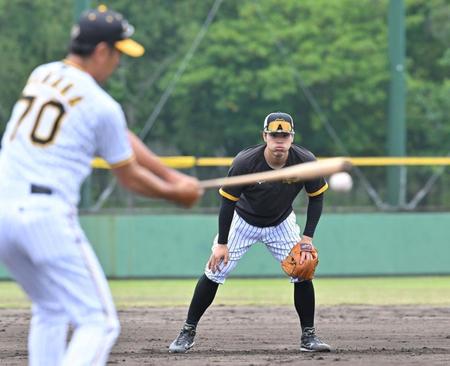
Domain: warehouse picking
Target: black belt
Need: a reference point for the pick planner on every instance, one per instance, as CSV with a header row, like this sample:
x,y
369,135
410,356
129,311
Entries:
x,y
40,189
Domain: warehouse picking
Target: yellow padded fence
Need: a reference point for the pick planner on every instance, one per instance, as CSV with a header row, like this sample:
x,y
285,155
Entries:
x,y
185,162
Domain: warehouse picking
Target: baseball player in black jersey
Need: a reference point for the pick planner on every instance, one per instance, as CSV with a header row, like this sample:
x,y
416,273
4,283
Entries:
x,y
262,212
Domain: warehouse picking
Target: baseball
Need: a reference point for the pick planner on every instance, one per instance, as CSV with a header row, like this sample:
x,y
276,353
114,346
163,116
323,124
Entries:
x,y
341,182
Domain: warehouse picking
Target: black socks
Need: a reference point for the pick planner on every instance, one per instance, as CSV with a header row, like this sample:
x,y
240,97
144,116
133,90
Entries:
x,y
206,290
204,294
304,301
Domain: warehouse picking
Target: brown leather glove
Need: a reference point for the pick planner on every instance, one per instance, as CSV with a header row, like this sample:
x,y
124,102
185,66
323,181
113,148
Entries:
x,y
291,264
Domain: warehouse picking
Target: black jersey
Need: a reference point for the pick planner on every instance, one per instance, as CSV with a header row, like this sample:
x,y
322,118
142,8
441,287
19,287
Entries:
x,y
268,203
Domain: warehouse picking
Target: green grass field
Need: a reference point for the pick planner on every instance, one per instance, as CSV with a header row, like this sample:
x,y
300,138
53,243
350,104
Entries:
x,y
265,292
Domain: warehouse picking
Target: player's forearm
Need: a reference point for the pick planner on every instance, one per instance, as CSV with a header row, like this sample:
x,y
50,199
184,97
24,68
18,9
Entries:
x,y
315,206
225,218
149,160
142,181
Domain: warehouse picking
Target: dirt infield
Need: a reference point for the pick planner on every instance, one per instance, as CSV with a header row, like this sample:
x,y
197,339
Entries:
x,y
360,335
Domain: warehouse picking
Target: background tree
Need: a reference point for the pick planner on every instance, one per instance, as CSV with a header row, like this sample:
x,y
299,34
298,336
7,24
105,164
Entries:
x,y
325,62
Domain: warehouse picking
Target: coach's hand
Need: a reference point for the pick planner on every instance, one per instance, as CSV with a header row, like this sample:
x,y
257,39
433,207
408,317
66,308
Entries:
x,y
220,253
187,191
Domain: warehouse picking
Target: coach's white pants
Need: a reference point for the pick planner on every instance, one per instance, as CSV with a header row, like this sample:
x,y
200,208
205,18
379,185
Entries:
x,y
278,239
47,253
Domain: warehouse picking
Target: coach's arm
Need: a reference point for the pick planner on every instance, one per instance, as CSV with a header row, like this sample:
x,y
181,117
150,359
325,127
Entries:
x,y
140,180
150,160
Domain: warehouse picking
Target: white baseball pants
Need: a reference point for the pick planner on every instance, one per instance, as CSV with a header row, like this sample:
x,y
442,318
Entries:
x,y
47,253
278,239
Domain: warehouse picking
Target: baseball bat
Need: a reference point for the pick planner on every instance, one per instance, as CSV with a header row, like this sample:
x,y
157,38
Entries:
x,y
304,171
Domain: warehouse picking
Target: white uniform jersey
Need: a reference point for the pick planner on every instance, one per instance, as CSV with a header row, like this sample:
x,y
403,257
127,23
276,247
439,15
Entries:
x,y
62,120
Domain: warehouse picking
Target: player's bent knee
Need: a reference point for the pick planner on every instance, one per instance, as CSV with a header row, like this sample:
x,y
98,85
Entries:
x,y
106,325
215,277
112,333
114,328
105,332
111,327
92,341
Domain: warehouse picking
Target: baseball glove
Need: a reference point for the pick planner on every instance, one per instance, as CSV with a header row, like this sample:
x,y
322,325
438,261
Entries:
x,y
291,264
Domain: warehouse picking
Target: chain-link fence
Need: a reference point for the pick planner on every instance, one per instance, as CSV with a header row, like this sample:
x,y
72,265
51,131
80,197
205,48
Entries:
x,y
425,189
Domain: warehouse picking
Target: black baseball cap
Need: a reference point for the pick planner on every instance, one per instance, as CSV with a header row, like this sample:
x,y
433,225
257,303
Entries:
x,y
104,25
279,122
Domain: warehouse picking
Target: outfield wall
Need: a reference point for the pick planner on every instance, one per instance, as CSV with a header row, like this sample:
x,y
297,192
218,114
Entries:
x,y
349,245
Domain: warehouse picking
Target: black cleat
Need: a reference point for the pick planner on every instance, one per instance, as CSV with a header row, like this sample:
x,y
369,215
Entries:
x,y
311,343
184,341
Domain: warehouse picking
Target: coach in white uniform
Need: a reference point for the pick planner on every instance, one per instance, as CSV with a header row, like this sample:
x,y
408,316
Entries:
x,y
62,120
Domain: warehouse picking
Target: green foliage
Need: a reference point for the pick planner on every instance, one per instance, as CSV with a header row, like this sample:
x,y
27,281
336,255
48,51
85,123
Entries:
x,y
31,32
257,57
325,62
428,77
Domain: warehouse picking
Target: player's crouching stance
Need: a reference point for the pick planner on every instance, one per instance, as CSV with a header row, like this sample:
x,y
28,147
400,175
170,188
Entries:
x,y
63,119
263,213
